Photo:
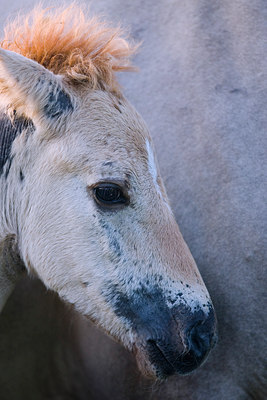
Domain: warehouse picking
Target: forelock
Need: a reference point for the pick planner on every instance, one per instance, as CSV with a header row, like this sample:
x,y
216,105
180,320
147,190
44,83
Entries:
x,y
66,41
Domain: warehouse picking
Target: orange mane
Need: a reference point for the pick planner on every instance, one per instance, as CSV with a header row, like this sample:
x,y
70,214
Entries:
x,y
66,42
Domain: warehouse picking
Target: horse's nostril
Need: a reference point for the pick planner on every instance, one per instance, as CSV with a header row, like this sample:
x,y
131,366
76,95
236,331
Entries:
x,y
197,341
200,339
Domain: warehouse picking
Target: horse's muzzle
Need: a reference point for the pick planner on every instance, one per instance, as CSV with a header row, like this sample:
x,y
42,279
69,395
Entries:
x,y
168,340
179,349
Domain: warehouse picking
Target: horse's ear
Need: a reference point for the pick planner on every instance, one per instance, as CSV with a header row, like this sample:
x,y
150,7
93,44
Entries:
x,y
31,89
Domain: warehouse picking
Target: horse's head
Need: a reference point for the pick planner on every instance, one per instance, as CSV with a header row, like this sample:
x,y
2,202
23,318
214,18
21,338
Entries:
x,y
93,219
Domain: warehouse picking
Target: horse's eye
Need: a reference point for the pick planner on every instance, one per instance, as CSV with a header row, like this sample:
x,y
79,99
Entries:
x,y
109,194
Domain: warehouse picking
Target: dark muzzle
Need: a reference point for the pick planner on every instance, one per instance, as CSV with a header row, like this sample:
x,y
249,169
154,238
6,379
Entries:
x,y
168,340
184,346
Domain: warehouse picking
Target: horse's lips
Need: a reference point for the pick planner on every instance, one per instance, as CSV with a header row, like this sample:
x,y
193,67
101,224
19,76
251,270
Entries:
x,y
154,363
163,365
160,370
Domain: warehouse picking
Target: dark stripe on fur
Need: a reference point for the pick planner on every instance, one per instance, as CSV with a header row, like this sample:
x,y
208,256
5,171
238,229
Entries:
x,y
9,130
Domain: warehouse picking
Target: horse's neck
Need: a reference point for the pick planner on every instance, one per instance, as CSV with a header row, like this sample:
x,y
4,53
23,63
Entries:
x,y
10,262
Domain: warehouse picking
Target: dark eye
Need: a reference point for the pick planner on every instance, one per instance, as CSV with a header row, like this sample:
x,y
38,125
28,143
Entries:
x,y
109,194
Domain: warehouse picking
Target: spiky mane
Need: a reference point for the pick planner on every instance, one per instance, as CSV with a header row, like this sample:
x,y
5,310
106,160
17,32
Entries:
x,y
66,41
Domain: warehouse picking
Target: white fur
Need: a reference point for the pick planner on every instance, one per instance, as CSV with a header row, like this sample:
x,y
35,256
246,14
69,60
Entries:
x,y
152,166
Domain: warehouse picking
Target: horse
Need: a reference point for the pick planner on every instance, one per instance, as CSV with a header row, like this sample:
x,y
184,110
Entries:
x,y
83,205
201,89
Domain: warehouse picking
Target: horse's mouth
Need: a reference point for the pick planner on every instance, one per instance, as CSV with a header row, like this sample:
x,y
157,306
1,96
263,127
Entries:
x,y
156,362
164,367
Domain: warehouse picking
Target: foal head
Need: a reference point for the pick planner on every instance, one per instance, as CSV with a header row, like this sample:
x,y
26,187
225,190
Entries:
x,y
92,216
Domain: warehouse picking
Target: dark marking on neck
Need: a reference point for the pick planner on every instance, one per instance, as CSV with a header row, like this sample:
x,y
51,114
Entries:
x,y
10,128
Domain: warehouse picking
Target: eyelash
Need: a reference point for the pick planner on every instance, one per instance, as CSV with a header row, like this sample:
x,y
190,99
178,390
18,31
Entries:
x,y
110,195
